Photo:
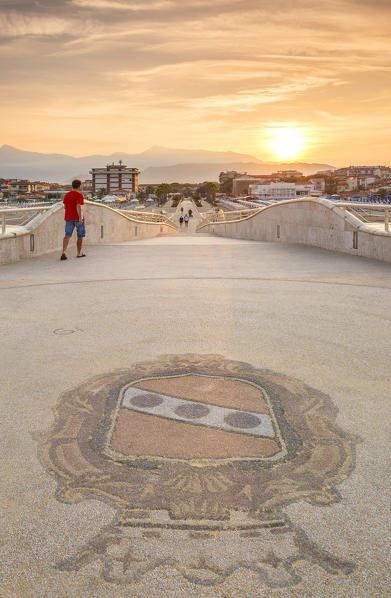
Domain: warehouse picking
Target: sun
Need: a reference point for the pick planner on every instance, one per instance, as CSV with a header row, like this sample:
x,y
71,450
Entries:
x,y
287,143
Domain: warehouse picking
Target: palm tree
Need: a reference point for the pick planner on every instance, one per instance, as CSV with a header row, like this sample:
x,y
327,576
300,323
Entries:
x,y
149,190
210,191
162,191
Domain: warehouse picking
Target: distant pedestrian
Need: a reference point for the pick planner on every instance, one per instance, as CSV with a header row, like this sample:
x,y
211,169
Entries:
x,y
190,213
181,220
186,220
182,210
73,201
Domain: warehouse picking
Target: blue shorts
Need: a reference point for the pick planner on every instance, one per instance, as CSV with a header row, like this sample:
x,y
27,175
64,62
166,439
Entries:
x,y
80,228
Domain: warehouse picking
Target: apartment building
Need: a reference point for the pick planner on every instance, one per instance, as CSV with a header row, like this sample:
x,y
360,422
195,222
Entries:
x,y
16,187
241,185
115,178
282,191
5,186
318,184
362,171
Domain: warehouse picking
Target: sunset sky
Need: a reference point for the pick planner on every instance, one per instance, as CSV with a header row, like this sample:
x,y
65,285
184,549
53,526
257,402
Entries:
x,y
98,76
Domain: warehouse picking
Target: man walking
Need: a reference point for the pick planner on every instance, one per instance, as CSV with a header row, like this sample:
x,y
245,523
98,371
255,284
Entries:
x,y
73,200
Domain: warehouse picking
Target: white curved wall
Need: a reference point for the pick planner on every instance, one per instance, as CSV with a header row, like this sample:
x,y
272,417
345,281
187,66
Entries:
x,y
315,222
45,233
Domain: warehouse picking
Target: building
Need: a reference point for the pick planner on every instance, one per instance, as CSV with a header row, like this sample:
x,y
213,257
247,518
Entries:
x,y
229,175
285,174
87,187
325,173
281,191
362,171
241,185
5,186
40,186
19,187
318,184
115,178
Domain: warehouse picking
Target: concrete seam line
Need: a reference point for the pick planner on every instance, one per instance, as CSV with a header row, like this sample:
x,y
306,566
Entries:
x,y
248,279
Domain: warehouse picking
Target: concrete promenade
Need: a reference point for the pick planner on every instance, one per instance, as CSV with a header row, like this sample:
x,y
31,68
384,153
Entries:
x,y
105,496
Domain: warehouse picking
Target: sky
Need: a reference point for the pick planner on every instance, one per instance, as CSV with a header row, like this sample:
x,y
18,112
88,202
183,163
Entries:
x,y
99,76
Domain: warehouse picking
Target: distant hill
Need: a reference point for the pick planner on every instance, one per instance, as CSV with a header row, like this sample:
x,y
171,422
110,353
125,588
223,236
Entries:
x,y
194,173
165,156
158,164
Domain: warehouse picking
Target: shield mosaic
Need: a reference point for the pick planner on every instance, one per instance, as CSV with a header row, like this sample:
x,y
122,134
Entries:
x,y
199,455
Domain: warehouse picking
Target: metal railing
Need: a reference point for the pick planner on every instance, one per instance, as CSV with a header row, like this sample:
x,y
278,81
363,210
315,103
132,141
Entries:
x,y
22,216
368,213
225,217
19,216
148,217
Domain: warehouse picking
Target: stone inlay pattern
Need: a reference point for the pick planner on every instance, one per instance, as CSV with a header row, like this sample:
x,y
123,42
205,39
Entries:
x,y
202,498
214,416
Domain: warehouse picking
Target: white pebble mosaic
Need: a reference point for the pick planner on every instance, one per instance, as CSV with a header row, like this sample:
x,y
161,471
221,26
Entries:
x,y
201,414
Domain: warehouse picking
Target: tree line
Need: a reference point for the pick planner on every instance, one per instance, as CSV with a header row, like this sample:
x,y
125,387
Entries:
x,y
206,190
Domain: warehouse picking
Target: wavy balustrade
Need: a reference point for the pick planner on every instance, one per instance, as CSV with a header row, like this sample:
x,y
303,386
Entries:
x,y
366,213
45,231
20,217
358,229
147,217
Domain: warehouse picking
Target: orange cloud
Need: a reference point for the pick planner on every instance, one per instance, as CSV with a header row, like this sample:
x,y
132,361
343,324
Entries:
x,y
196,73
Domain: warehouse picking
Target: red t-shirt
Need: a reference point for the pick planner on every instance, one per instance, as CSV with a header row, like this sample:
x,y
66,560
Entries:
x,y
70,201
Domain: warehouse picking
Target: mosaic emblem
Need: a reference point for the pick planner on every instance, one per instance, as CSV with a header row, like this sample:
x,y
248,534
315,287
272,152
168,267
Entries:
x,y
199,455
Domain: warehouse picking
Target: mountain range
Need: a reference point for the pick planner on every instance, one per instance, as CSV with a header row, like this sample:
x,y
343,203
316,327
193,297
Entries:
x,y
157,164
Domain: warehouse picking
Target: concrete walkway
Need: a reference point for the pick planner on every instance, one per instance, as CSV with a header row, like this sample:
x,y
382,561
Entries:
x,y
193,222
78,520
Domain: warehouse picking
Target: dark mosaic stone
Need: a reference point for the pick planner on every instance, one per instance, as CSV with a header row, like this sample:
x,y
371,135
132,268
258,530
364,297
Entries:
x,y
192,411
146,401
241,419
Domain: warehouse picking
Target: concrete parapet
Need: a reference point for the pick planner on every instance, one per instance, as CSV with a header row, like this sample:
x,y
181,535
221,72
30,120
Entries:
x,y
315,222
104,225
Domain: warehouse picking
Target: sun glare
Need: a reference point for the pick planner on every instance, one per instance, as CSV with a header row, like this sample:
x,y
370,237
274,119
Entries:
x,y
287,143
